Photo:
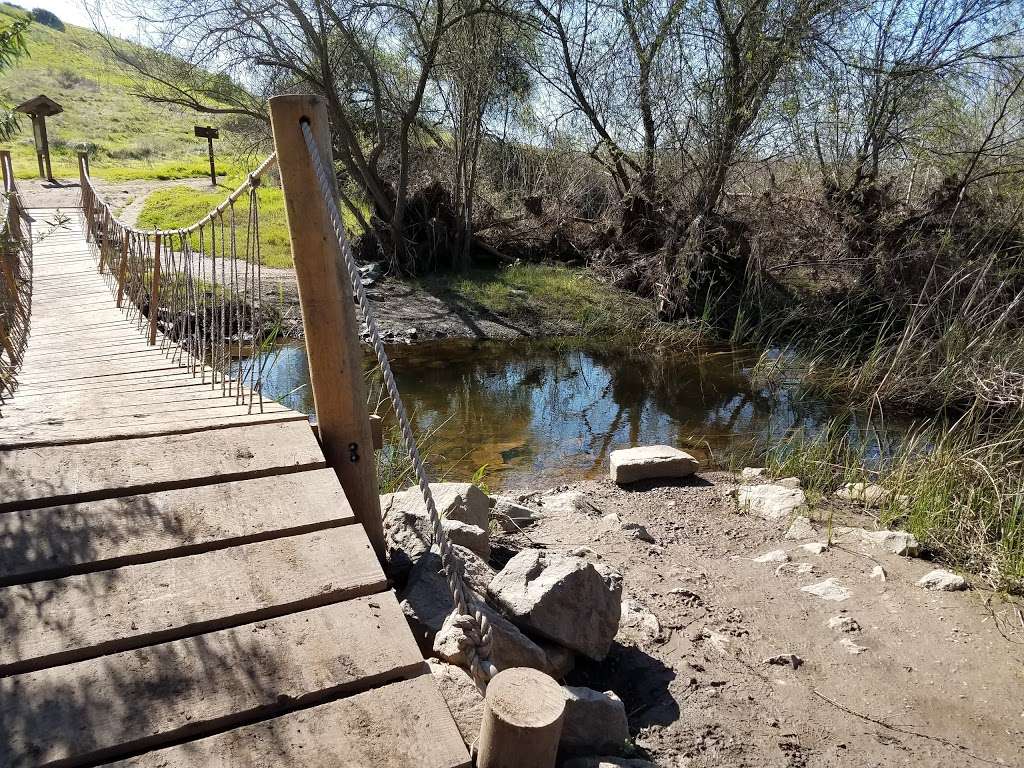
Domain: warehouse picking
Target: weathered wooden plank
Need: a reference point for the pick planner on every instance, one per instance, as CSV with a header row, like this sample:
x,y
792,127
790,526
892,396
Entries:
x,y
54,542
47,623
134,700
401,725
99,430
36,477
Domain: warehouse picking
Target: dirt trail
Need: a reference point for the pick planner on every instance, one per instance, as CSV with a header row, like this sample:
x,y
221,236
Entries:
x,y
940,681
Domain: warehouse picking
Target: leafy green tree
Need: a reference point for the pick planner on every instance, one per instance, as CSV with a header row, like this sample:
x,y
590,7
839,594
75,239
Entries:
x,y
12,47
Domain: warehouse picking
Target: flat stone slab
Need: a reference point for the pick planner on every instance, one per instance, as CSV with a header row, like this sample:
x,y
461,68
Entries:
x,y
651,462
772,502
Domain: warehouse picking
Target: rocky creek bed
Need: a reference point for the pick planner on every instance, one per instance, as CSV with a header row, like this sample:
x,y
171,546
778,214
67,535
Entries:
x,y
744,635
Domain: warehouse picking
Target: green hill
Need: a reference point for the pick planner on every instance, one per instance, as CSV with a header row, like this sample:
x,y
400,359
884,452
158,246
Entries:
x,y
128,137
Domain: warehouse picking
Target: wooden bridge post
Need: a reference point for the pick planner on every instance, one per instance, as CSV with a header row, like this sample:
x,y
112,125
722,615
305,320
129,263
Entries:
x,y
122,273
83,173
154,292
328,311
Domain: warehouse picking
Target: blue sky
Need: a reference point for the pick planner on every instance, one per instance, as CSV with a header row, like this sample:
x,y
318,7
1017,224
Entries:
x,y
73,12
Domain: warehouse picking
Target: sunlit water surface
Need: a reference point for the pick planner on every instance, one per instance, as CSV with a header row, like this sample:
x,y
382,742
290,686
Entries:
x,y
538,414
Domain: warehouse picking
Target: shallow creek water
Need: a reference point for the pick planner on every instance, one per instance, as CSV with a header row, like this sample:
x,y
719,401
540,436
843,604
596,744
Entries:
x,y
538,414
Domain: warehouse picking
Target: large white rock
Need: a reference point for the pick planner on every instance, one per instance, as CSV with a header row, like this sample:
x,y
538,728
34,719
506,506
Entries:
x,y
749,473
463,698
594,722
509,647
565,599
651,462
772,502
943,581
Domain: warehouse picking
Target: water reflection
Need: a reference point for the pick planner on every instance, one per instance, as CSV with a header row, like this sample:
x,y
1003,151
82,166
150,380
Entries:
x,y
545,413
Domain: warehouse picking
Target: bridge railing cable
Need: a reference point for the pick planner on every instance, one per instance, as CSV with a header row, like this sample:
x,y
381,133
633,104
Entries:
x,y
479,636
196,291
15,280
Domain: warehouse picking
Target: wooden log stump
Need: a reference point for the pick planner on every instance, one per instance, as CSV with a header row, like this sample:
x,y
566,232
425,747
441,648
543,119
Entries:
x,y
522,721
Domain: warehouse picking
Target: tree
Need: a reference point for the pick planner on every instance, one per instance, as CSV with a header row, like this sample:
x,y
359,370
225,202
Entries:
x,y
12,48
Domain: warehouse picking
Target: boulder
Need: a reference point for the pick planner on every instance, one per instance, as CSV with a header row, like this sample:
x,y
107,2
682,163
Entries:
x,y
650,462
772,502
509,647
868,494
800,528
409,535
454,501
560,660
428,607
594,722
829,589
789,482
511,516
463,698
472,537
644,625
942,581
565,599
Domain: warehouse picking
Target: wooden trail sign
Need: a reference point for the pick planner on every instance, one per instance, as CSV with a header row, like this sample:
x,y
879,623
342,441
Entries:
x,y
209,133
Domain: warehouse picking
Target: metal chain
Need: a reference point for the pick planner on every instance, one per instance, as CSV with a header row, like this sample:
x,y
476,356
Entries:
x,y
478,652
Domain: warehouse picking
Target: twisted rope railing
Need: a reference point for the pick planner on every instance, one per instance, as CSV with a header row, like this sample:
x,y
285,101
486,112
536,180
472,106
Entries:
x,y
478,651
197,290
15,281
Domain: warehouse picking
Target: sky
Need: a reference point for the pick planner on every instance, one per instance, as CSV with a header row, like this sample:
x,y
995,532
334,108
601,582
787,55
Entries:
x,y
74,12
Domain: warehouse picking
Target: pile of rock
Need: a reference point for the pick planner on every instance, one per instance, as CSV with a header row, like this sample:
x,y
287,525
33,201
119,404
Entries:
x,y
543,607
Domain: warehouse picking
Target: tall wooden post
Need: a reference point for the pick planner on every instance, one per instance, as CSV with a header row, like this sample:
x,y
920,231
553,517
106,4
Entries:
x,y
154,292
83,173
328,311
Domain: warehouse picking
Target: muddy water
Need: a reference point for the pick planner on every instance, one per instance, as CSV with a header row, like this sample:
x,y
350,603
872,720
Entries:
x,y
543,413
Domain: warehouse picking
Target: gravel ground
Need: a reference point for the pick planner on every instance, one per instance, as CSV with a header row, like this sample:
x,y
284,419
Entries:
x,y
938,682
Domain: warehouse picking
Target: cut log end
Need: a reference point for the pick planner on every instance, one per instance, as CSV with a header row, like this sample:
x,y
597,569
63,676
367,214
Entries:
x,y
522,720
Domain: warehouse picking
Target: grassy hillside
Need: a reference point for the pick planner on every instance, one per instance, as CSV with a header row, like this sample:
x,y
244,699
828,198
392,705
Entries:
x,y
128,137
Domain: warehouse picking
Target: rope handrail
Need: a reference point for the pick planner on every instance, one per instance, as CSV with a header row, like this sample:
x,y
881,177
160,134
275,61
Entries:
x,y
15,280
251,180
197,290
478,651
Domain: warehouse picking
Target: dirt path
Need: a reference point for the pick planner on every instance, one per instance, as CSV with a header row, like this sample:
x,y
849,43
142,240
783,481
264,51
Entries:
x,y
939,682
404,312
127,197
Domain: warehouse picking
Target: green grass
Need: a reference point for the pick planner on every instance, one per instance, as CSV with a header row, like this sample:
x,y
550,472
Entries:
x,y
178,207
958,487
127,137
569,300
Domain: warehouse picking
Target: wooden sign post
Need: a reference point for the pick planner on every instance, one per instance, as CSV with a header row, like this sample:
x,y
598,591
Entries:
x,y
328,311
40,108
209,133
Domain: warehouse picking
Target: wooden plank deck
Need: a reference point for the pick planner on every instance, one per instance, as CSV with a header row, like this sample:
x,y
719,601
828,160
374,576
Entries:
x,y
183,582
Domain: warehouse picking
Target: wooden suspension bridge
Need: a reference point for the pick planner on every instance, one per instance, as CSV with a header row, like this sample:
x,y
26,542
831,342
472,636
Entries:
x,y
189,573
